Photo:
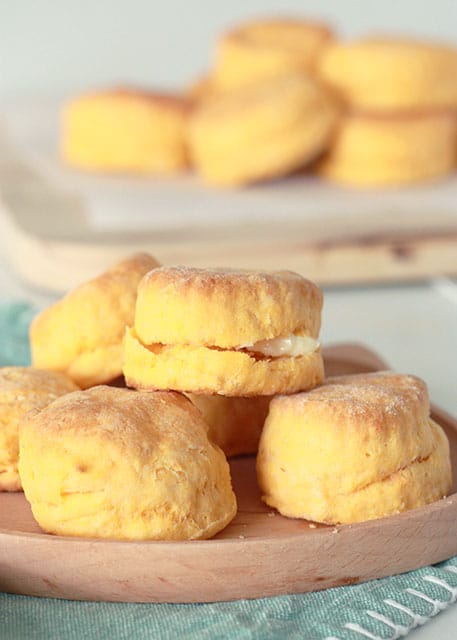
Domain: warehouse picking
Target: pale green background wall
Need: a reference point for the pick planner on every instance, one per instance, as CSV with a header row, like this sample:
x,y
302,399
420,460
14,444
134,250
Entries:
x,y
52,46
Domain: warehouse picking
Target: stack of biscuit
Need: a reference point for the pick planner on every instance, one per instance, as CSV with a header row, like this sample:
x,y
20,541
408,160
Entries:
x,y
266,48
215,363
203,352
265,129
283,96
400,124
260,114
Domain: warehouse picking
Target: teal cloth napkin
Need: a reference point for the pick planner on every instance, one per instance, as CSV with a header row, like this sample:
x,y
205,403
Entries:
x,y
379,610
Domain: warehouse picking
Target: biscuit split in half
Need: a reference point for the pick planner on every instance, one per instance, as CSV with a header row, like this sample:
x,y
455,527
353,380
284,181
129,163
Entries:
x,y
125,130
81,334
357,448
121,464
235,333
23,389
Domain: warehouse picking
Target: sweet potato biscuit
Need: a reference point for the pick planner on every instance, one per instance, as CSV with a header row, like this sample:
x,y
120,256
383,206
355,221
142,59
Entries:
x,y
81,334
371,150
267,48
116,463
392,73
236,333
21,390
358,448
265,130
234,424
125,130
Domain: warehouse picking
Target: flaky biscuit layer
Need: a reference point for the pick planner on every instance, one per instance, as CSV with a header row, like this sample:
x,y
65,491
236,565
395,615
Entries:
x,y
115,463
81,334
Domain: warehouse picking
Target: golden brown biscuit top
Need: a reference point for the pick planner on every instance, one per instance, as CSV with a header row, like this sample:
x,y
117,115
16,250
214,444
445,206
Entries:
x,y
139,420
360,397
207,278
223,307
17,383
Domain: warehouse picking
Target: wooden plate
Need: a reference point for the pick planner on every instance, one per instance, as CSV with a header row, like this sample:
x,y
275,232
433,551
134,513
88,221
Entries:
x,y
259,554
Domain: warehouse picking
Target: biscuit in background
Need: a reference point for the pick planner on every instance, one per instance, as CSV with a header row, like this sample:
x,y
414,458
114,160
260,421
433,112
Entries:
x,y
381,150
81,334
267,48
125,131
262,131
222,331
387,73
357,448
120,464
23,389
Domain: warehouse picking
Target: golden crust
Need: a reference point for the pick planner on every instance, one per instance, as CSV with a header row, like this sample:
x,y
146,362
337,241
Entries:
x,y
224,308
267,48
23,389
81,334
389,73
357,448
391,149
121,464
125,130
234,424
204,370
267,129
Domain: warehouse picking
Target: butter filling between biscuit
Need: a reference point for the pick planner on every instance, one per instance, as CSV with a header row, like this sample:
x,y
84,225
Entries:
x,y
286,346
291,346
